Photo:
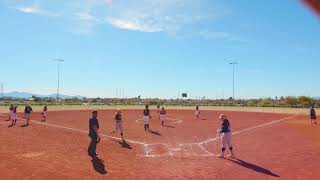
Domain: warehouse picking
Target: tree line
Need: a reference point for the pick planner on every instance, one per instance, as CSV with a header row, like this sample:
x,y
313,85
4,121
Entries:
x,y
283,101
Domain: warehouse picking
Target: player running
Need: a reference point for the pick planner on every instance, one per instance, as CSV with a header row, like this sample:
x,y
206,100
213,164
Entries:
x,y
118,125
226,136
93,134
146,118
163,114
313,116
197,112
14,116
27,114
44,114
10,112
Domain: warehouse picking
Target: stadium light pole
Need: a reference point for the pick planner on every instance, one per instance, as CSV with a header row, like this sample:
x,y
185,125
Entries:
x,y
233,76
58,62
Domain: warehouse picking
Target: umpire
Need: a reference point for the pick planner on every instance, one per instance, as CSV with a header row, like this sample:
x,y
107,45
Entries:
x,y
93,134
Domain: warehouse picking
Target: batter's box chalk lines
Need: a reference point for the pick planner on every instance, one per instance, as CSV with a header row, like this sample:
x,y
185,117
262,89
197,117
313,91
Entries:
x,y
78,130
175,150
211,154
251,128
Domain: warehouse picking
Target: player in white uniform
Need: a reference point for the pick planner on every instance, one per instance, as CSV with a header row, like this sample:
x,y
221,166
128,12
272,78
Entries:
x,y
197,112
44,113
10,112
14,116
118,123
27,114
163,115
226,136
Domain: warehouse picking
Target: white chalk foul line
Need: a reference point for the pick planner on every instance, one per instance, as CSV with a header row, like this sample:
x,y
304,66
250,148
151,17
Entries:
x,y
179,149
250,128
79,130
210,154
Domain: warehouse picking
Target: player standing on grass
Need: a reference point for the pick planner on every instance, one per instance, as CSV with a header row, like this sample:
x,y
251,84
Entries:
x,y
313,116
44,113
118,125
27,114
163,116
10,111
93,134
146,118
14,116
226,136
197,112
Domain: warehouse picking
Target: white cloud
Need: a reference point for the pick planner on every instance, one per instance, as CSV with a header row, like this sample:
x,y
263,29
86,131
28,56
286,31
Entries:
x,y
85,16
35,10
27,9
132,25
180,18
170,16
84,22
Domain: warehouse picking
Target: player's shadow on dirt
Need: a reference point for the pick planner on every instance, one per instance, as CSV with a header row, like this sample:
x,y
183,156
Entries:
x,y
25,125
123,144
98,165
252,167
168,126
154,132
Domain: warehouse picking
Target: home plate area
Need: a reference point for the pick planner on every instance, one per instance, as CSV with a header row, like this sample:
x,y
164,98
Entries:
x,y
177,150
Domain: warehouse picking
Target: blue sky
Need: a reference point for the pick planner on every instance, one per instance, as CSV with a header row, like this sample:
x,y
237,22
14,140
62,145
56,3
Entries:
x,y
160,48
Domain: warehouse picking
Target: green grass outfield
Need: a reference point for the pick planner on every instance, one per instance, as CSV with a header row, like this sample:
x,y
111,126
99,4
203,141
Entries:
x,y
37,108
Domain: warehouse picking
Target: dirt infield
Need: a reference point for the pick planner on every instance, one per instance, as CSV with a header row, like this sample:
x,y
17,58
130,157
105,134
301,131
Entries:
x,y
267,146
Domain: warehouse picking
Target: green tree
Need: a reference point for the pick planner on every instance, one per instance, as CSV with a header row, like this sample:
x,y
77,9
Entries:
x,y
291,101
304,101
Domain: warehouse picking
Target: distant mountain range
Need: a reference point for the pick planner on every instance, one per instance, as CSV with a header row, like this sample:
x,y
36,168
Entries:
x,y
26,95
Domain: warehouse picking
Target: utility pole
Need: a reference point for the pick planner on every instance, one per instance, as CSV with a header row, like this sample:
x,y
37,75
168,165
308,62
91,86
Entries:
x,y
2,89
233,75
58,89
